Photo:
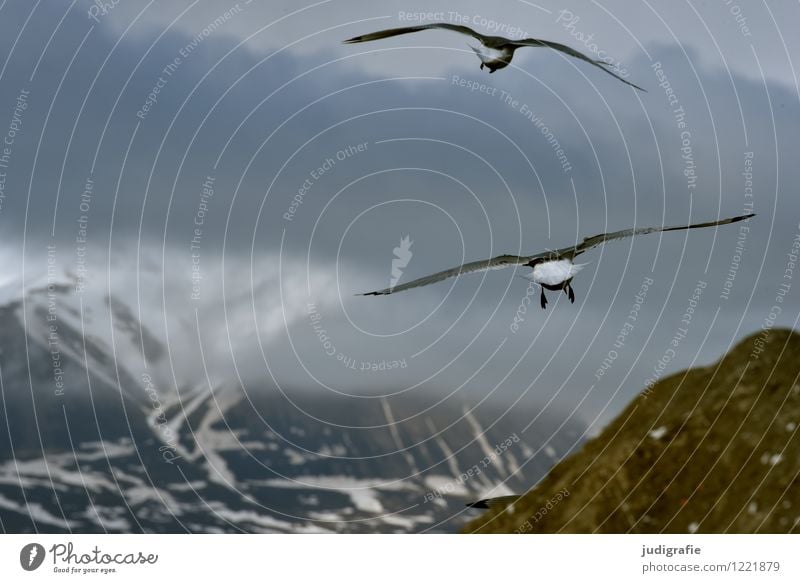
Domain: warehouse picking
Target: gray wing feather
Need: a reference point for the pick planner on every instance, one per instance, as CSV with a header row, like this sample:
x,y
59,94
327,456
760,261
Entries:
x,y
503,261
407,29
499,262
592,242
535,42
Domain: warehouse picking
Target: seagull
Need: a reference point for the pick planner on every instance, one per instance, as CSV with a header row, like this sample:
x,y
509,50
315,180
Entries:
x,y
552,270
499,502
495,52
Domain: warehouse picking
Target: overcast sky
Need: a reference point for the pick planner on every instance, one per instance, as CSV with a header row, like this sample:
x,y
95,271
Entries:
x,y
245,144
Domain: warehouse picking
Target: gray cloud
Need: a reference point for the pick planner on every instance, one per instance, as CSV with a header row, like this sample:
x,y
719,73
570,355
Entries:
x,y
463,173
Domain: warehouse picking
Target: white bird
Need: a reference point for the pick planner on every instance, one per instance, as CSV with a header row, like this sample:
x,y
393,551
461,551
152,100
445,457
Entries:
x,y
495,52
552,270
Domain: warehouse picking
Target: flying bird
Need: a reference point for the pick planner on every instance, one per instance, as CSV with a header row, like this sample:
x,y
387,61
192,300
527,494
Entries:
x,y
552,270
495,52
499,502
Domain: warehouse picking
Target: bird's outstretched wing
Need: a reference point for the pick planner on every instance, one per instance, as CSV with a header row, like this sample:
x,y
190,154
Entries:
x,y
499,502
498,262
535,42
592,242
407,29
503,261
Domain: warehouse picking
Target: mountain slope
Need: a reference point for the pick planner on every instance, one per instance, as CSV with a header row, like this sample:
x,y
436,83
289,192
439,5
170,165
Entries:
x,y
710,450
91,441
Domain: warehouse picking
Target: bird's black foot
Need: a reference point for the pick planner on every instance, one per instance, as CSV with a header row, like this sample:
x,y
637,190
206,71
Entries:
x,y
482,66
570,294
543,300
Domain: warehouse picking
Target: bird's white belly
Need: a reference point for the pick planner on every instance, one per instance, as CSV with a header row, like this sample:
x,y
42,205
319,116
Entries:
x,y
554,272
492,56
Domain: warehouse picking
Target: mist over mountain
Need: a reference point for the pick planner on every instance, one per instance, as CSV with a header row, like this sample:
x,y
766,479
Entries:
x,y
92,440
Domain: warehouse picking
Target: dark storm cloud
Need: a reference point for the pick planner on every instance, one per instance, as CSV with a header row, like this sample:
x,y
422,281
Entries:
x,y
333,140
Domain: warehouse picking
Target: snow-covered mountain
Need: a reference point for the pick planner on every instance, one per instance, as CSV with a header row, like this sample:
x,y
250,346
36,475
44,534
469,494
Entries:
x,y
99,436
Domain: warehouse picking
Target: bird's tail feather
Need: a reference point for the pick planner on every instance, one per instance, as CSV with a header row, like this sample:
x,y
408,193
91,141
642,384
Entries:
x,y
477,52
576,267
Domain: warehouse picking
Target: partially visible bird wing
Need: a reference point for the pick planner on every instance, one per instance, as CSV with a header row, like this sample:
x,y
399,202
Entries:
x,y
499,502
535,42
495,263
592,242
407,29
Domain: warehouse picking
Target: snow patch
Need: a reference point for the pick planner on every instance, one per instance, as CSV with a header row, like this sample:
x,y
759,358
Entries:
x,y
336,450
480,437
406,522
363,493
188,486
296,458
37,513
449,455
445,485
